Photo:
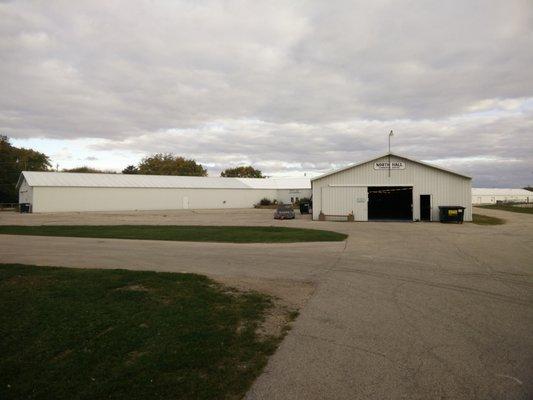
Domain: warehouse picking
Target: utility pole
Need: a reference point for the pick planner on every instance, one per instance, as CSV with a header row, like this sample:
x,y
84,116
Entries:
x,y
391,134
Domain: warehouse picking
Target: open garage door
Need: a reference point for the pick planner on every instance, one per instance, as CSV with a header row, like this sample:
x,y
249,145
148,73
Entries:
x,y
390,203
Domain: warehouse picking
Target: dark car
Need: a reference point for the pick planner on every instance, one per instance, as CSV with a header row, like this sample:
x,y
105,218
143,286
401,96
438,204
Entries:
x,y
284,211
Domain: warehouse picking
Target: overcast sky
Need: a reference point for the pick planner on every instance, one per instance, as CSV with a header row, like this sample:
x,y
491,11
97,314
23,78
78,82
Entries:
x,y
288,86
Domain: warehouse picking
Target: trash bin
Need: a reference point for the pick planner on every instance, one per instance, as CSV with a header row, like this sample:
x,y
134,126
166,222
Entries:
x,y
24,207
306,206
451,214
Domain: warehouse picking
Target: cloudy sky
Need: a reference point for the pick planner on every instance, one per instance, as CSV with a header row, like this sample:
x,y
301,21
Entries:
x,y
288,86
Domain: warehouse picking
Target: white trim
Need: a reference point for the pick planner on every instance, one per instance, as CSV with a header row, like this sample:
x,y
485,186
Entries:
x,y
20,180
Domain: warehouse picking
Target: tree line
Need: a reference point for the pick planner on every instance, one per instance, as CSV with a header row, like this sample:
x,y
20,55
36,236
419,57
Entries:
x,y
169,164
14,160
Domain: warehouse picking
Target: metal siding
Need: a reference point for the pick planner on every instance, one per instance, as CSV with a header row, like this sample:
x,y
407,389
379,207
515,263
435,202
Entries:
x,y
444,187
492,199
63,199
284,195
25,193
386,155
344,200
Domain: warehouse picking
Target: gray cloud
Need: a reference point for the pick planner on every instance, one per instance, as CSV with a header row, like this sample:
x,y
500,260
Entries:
x,y
284,85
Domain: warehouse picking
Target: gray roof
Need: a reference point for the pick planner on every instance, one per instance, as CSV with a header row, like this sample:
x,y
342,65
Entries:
x,y
386,155
74,179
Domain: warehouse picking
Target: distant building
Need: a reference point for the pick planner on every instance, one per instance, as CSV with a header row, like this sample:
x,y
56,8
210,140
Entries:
x,y
64,191
493,196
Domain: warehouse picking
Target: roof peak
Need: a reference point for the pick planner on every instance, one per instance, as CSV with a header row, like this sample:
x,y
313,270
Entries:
x,y
335,171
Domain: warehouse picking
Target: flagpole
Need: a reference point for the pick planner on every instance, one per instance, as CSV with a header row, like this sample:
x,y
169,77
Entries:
x,y
390,135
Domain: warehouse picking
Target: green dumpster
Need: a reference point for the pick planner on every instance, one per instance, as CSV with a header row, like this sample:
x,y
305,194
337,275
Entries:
x,y
451,214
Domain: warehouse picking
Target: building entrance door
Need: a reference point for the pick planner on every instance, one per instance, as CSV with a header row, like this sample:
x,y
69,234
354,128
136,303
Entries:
x,y
425,207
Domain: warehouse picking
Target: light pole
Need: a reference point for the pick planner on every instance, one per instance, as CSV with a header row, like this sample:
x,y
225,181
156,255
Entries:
x,y
391,134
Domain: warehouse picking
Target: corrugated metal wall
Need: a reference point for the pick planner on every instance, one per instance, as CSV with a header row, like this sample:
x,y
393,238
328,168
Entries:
x,y
60,199
488,199
285,195
64,199
25,193
445,188
345,200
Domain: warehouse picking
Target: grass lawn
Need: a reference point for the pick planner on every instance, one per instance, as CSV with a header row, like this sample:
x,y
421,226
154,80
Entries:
x,y
116,334
486,220
523,210
233,234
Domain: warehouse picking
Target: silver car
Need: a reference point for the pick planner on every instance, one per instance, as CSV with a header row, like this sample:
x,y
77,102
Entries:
x,y
284,211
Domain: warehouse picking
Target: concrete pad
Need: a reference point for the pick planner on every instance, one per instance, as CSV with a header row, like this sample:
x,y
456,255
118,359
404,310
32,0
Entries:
x,y
400,310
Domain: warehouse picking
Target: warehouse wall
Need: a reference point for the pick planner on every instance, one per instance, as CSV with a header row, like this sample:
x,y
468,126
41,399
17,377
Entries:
x,y
285,195
59,199
493,199
345,200
25,192
445,188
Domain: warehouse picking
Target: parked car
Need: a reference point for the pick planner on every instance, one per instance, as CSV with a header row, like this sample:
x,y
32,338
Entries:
x,y
284,211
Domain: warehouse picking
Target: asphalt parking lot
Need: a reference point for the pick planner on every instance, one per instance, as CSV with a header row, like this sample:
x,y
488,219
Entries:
x,y
399,310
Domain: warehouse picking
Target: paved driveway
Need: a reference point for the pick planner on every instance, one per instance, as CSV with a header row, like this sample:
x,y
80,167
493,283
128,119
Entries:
x,y
400,310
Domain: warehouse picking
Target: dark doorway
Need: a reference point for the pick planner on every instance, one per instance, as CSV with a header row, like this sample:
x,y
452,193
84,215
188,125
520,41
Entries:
x,y
425,207
390,203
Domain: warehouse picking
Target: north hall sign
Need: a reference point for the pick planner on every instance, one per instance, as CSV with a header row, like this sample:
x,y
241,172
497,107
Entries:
x,y
393,165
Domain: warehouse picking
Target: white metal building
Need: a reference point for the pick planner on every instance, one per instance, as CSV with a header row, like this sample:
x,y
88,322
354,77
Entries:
x,y
64,191
493,196
405,189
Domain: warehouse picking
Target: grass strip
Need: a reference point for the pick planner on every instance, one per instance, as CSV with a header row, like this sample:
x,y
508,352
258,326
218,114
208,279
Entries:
x,y
228,234
117,334
522,210
486,220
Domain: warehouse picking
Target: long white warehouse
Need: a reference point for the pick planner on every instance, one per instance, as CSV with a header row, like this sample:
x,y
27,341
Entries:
x,y
64,191
493,196
390,187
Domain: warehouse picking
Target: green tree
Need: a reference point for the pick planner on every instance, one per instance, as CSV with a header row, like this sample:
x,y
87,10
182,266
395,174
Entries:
x,y
242,172
169,164
87,170
130,170
14,160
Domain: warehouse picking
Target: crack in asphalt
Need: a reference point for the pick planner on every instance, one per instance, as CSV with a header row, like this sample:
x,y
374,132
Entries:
x,y
446,286
344,345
